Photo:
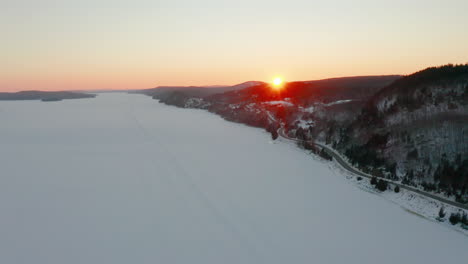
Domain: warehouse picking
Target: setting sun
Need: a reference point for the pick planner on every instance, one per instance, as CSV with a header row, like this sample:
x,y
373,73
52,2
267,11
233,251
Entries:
x,y
277,82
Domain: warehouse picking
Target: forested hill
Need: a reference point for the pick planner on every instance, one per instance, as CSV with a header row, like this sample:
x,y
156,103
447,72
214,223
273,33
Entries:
x,y
417,128
178,95
305,93
44,95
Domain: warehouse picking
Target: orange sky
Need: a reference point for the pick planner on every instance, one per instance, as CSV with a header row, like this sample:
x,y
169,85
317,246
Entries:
x,y
74,45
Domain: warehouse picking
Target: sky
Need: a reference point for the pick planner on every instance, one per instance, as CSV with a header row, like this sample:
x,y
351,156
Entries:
x,y
112,44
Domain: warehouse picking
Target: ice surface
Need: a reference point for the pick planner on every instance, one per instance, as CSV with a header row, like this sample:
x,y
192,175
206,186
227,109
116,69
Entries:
x,y
124,179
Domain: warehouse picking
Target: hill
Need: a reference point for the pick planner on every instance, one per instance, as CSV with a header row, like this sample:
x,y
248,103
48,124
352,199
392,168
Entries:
x,y
307,92
177,95
417,129
44,95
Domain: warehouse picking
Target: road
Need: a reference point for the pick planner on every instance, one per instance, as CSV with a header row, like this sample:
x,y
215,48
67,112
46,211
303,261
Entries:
x,y
340,160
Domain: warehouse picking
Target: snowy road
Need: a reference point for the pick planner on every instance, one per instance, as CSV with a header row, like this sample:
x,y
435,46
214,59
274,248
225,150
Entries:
x,y
337,157
124,179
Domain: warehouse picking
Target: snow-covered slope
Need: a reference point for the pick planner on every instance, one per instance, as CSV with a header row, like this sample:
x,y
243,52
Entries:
x,y
124,179
417,126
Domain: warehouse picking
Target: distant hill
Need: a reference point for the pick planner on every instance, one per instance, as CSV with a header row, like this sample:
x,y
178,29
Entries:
x,y
195,91
302,93
44,95
307,92
247,102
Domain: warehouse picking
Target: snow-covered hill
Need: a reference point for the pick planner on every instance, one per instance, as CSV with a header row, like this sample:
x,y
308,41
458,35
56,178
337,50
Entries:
x,y
418,126
123,179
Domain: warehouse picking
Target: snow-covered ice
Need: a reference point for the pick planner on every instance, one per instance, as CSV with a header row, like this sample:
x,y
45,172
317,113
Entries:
x,y
124,179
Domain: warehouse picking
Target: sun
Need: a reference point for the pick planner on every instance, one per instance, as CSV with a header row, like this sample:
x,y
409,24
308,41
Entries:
x,y
278,82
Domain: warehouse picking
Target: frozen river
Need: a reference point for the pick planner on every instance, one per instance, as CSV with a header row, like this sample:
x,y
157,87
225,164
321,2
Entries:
x,y
124,179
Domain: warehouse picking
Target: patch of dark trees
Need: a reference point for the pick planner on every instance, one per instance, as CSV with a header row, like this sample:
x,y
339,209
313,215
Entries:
x,y
324,154
450,178
241,116
453,177
273,130
362,156
458,217
381,185
366,157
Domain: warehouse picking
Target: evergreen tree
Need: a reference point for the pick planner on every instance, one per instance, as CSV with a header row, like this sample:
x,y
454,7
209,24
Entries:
x,y
454,218
300,133
274,134
441,212
464,219
392,170
381,185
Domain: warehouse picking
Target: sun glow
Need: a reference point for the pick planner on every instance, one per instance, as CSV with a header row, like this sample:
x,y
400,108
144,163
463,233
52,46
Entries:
x,y
277,83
